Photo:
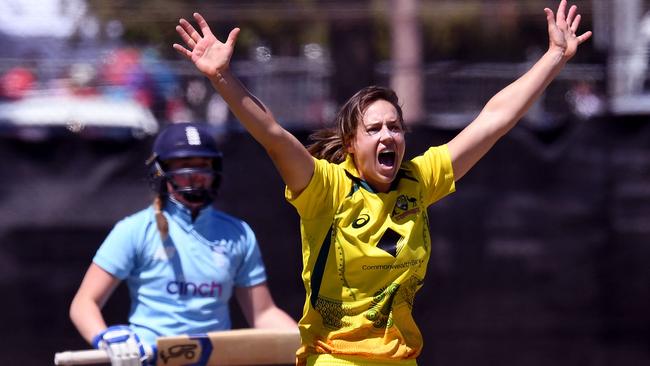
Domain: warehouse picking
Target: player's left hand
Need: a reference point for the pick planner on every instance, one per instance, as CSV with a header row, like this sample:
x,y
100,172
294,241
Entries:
x,y
562,28
122,345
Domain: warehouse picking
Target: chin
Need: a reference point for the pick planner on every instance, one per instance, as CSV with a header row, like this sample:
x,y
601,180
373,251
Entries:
x,y
388,178
382,181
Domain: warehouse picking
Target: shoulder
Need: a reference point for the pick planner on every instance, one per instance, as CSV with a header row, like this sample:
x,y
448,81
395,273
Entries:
x,y
229,221
328,186
326,171
327,175
123,245
434,158
136,224
433,152
138,218
435,172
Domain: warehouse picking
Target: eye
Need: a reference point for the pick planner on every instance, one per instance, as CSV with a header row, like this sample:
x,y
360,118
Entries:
x,y
395,127
373,129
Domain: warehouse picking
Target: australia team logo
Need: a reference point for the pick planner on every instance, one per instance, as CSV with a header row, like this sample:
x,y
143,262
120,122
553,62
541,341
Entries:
x,y
405,206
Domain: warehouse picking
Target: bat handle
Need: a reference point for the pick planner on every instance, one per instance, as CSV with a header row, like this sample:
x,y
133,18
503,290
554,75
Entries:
x,y
88,357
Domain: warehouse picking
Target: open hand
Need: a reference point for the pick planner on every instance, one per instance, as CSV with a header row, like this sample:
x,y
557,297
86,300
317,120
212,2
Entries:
x,y
562,29
209,55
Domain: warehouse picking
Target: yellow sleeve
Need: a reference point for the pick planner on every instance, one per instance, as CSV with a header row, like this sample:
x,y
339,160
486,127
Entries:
x,y
436,172
322,194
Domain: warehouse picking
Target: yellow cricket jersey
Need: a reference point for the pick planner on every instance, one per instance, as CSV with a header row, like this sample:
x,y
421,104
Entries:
x,y
364,256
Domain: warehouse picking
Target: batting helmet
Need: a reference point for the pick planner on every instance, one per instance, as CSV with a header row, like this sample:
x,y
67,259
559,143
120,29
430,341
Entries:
x,y
183,140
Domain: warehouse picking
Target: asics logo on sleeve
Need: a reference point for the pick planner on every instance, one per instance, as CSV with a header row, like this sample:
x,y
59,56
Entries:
x,y
205,289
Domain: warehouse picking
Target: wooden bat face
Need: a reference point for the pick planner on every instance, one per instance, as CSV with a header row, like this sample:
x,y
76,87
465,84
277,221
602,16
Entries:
x,y
184,350
235,347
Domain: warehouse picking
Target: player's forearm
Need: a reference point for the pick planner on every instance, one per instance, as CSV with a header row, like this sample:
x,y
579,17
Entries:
x,y
511,103
290,157
250,111
87,318
274,318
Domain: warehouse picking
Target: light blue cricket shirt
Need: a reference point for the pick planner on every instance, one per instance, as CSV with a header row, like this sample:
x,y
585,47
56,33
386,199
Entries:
x,y
181,286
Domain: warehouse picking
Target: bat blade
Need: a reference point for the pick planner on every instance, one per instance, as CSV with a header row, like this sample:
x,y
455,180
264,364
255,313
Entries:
x,y
228,348
235,347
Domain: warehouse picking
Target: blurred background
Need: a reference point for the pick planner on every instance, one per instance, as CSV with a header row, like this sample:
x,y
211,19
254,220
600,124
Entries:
x,y
539,258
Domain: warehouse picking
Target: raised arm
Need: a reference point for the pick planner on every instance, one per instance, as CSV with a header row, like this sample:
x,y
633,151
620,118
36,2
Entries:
x,y
504,109
212,58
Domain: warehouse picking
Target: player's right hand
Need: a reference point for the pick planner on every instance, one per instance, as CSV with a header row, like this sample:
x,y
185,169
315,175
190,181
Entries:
x,y
122,345
209,55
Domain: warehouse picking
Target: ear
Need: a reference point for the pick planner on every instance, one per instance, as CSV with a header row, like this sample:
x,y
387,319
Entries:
x,y
349,147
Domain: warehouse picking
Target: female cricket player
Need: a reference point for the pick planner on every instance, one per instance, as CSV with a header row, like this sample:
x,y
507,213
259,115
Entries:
x,y
181,258
363,210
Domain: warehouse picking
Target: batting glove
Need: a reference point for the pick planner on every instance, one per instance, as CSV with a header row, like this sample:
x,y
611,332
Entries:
x,y
122,345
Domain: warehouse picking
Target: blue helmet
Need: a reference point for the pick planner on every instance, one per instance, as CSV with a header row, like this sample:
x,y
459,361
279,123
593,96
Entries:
x,y
183,140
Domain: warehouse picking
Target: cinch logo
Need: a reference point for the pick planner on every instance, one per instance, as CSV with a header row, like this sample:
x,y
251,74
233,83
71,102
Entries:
x,y
193,289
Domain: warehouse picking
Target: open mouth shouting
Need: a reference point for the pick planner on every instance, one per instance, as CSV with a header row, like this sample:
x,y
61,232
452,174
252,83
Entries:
x,y
378,145
386,158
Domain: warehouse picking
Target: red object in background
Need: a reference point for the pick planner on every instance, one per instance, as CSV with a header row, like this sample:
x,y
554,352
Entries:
x,y
16,82
119,65
123,69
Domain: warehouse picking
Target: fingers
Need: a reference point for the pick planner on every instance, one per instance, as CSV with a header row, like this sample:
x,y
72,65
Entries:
x,y
201,39
572,13
576,23
583,37
188,31
561,16
189,34
550,17
232,37
182,50
185,36
571,19
203,25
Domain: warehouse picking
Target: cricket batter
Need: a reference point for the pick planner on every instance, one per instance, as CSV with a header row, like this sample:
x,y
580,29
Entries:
x,y
181,258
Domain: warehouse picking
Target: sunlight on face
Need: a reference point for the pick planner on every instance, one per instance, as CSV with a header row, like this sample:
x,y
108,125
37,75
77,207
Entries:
x,y
378,146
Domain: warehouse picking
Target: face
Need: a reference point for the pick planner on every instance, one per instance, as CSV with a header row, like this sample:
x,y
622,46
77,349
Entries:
x,y
201,177
378,146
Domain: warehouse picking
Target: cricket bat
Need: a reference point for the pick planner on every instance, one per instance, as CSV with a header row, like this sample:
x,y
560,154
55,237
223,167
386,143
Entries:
x,y
227,348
